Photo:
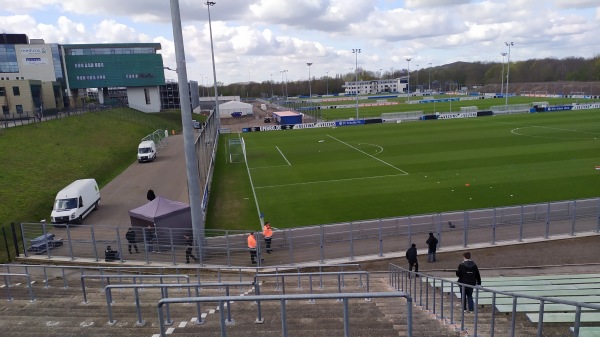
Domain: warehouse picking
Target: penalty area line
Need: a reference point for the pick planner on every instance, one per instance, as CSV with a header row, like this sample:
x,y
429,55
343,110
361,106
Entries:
x,y
277,147
329,181
363,152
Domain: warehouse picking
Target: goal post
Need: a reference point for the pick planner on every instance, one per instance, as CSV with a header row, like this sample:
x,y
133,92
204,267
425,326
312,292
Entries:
x,y
236,150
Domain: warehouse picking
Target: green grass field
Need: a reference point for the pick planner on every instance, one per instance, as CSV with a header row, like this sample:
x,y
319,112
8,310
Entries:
x,y
328,175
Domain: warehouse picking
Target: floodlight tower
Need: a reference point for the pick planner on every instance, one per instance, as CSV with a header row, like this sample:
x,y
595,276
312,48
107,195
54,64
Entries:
x,y
309,89
508,44
502,85
429,86
356,52
408,84
327,83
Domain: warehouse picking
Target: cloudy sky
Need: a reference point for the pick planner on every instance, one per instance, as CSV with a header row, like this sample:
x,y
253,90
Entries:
x,y
257,39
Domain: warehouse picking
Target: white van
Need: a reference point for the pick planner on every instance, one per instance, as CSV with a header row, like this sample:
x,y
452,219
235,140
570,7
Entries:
x,y
75,202
146,151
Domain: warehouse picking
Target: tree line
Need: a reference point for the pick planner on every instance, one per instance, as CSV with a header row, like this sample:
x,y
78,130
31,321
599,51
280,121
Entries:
x,y
446,77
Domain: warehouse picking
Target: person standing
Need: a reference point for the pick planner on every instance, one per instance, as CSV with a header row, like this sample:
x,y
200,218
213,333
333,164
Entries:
x,y
468,273
432,243
189,241
150,195
151,239
268,234
130,236
252,247
411,256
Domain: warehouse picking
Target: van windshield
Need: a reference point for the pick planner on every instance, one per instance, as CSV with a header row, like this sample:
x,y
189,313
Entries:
x,y
65,204
145,150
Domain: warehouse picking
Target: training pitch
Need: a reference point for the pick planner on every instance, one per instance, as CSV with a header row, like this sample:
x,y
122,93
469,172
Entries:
x,y
329,175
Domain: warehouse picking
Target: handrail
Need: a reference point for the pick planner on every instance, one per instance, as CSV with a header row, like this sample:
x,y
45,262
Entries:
x,y
164,292
283,299
407,275
133,277
7,285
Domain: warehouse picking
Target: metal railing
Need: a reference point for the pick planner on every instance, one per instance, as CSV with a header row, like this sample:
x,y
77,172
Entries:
x,y
283,309
340,242
8,284
424,290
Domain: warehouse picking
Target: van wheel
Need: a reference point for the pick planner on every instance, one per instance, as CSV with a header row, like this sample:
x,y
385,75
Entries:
x,y
95,206
80,219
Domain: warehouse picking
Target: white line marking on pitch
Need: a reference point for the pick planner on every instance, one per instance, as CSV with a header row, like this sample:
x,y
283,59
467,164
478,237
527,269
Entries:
x,y
332,181
283,155
363,152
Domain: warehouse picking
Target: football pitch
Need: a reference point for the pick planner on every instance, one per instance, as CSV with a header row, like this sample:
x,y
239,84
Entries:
x,y
330,175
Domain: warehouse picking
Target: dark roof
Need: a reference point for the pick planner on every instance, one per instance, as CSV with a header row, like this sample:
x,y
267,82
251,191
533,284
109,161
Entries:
x,y
113,45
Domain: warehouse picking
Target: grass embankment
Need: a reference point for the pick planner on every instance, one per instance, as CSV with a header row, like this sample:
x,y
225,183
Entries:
x,y
40,159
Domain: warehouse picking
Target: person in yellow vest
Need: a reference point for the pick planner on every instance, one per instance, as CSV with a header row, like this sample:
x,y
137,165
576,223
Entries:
x,y
268,234
252,247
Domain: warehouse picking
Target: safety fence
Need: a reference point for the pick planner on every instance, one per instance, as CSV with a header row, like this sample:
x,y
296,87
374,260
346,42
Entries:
x,y
431,293
334,243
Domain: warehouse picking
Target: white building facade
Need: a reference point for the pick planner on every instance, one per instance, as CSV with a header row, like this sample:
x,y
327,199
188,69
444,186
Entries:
x,y
372,87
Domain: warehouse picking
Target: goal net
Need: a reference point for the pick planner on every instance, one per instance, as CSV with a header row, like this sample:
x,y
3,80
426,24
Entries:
x,y
236,150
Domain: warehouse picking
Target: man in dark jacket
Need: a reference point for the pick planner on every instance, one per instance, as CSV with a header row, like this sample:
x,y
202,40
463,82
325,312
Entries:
x,y
189,241
468,273
411,256
130,236
432,243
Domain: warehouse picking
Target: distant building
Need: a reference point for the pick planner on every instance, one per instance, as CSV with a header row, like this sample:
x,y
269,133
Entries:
x,y
371,87
31,75
170,95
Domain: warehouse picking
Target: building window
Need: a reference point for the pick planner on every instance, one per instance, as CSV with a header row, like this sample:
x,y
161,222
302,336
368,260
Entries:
x,y
19,108
2,91
5,110
147,95
16,91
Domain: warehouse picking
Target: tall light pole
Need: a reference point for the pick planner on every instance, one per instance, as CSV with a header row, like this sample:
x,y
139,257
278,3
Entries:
x,y
356,52
212,52
429,87
282,89
508,44
417,86
327,82
271,86
408,84
309,88
380,73
502,85
286,89
191,159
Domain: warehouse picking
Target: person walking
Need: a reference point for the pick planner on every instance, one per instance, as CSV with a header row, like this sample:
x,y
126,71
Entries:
x,y
268,234
151,239
411,256
468,273
252,247
189,241
432,243
130,236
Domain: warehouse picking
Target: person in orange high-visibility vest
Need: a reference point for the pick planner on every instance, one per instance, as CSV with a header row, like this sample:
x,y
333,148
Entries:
x,y
252,247
268,234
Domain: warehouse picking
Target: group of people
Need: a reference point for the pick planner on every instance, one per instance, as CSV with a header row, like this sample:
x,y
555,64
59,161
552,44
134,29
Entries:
x,y
268,235
467,271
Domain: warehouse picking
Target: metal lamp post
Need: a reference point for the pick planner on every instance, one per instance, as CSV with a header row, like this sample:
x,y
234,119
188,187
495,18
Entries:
x,y
271,86
408,84
327,83
508,44
309,88
212,51
502,85
417,86
429,81
356,52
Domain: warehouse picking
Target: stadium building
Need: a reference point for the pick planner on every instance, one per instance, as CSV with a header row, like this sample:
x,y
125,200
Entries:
x,y
35,76
371,87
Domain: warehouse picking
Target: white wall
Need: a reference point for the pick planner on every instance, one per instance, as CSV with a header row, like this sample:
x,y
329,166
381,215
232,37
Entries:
x,y
137,99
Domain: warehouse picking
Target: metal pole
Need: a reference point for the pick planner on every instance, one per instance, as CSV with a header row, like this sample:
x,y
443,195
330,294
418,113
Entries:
x,y
408,84
188,131
502,85
356,52
509,44
309,88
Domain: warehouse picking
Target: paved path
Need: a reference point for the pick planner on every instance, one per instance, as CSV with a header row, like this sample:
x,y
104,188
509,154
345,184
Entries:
x,y
166,175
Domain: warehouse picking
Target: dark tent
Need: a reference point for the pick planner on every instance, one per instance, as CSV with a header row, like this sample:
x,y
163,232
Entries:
x,y
164,218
